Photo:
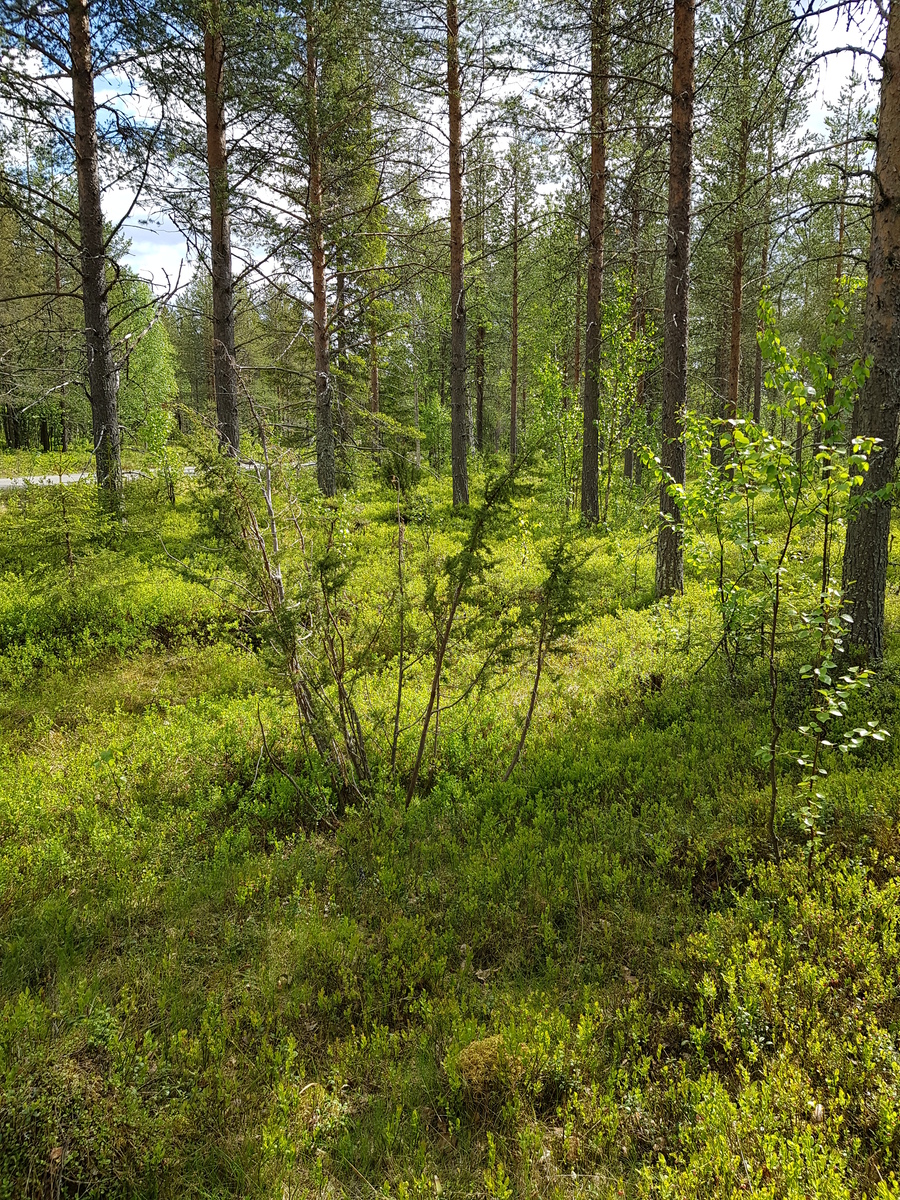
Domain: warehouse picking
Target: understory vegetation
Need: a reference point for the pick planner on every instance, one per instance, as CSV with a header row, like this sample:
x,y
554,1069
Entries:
x,y
448,746
229,970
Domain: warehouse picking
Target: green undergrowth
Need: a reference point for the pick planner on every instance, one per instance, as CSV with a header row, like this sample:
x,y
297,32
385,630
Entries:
x,y
589,980
77,460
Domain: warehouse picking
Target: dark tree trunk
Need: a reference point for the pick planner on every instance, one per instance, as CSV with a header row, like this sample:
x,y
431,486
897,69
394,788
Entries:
x,y
576,370
61,345
342,417
590,450
480,335
720,390
458,406
325,464
11,427
764,272
878,405
839,268
513,422
224,380
669,547
416,418
514,329
374,391
637,322
101,365
737,282
480,328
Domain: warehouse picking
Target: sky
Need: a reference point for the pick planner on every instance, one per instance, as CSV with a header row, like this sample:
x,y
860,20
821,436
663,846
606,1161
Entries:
x,y
833,33
158,250
159,253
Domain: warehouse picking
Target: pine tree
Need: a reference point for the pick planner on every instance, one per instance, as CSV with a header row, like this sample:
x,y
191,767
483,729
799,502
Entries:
x,y
61,39
669,547
877,409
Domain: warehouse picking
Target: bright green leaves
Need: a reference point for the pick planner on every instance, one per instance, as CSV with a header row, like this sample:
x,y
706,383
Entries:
x,y
761,526
559,427
147,385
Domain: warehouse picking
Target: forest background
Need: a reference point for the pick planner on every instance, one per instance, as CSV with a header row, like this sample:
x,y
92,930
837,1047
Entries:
x,y
448,626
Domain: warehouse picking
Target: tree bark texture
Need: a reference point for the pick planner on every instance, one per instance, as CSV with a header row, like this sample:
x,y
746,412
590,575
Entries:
x,y
878,405
458,407
513,424
737,281
764,274
11,427
480,335
590,457
839,268
374,390
576,367
102,380
224,378
514,332
720,389
416,419
61,345
669,546
637,321
342,418
325,462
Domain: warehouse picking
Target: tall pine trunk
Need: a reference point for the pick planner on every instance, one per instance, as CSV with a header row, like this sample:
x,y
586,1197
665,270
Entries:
x,y
669,546
637,321
480,335
878,405
839,267
737,281
590,499
514,329
576,365
342,415
224,380
764,274
325,464
458,407
61,345
98,335
416,419
374,389
480,328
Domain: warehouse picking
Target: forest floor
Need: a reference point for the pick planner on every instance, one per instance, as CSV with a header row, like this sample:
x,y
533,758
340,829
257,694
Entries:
x,y
591,980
